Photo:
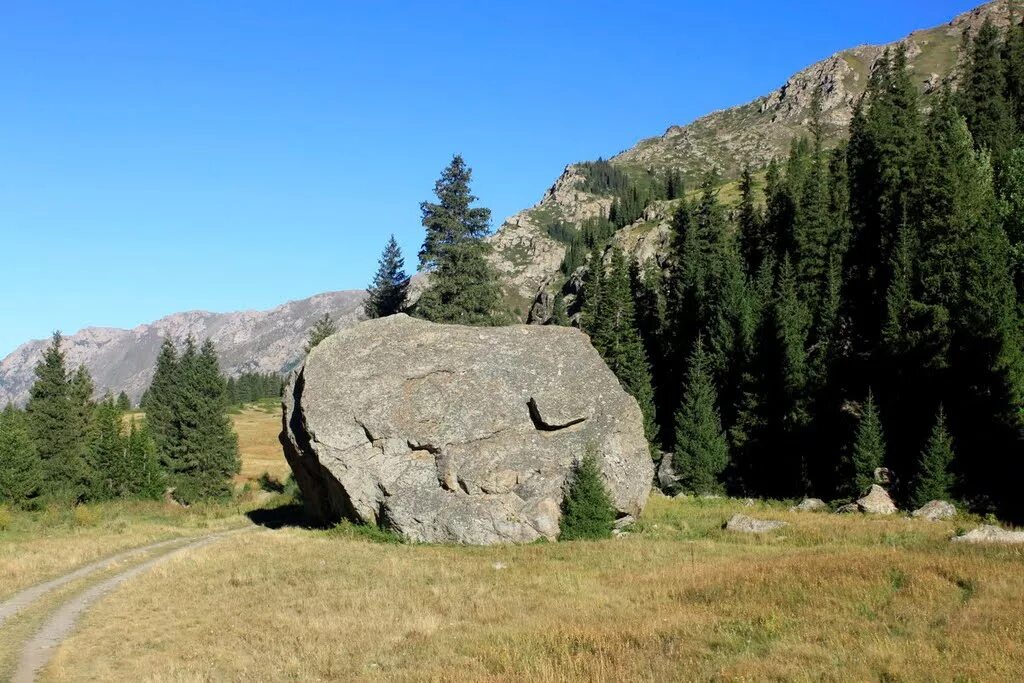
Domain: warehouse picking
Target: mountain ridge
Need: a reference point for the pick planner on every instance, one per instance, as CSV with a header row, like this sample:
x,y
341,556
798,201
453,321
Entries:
x,y
122,359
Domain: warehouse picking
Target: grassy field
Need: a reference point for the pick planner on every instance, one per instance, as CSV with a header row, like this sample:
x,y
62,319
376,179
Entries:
x,y
830,597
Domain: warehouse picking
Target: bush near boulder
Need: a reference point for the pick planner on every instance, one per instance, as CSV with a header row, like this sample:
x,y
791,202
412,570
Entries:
x,y
587,510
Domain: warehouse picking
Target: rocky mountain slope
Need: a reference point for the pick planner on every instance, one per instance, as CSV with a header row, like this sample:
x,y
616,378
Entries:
x,y
247,341
752,133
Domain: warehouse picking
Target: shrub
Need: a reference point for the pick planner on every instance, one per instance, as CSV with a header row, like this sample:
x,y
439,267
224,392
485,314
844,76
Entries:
x,y
5,518
587,510
83,515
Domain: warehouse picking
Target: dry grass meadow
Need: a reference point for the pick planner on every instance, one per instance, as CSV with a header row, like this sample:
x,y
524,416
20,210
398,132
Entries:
x,y
828,598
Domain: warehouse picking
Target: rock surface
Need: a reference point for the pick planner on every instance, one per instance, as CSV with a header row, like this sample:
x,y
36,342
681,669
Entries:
x,y
458,434
809,505
935,510
989,533
749,525
876,502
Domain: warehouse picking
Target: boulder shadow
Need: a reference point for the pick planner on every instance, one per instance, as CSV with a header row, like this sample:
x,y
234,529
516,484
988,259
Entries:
x,y
291,515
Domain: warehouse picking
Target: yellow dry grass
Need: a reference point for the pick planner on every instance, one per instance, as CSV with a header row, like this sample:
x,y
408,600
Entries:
x,y
828,598
257,427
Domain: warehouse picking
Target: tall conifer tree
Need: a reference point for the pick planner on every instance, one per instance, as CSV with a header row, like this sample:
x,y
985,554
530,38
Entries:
x,y
463,287
390,287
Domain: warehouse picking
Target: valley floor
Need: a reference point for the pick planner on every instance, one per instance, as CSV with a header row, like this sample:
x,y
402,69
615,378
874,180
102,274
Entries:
x,y
833,597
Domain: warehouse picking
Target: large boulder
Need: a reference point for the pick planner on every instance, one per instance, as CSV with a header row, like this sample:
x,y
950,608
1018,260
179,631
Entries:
x,y
445,433
810,505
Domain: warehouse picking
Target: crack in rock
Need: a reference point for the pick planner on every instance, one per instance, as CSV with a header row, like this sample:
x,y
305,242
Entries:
x,y
541,425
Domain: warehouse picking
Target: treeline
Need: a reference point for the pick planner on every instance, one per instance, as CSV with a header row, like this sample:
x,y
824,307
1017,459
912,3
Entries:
x,y
864,311
65,447
253,386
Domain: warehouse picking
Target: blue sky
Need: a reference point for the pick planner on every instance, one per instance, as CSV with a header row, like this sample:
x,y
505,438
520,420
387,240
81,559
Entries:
x,y
157,157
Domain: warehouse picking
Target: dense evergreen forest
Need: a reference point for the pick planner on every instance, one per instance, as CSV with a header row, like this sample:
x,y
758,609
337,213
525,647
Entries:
x,y
66,447
861,309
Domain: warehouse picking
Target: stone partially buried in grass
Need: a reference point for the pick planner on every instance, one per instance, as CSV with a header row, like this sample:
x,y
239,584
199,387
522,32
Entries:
x,y
989,533
750,525
876,502
445,433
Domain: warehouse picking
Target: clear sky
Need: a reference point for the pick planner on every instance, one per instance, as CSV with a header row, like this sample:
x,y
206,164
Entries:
x,y
158,157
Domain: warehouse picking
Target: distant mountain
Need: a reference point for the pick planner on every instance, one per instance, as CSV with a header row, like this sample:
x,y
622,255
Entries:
x,y
528,256
247,341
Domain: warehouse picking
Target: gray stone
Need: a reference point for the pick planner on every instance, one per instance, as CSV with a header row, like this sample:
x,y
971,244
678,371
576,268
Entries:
x,y
876,502
809,505
935,510
668,481
749,525
989,533
847,509
458,434
884,476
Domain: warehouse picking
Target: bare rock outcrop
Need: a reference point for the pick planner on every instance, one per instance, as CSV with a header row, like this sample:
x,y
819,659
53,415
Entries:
x,y
459,434
810,505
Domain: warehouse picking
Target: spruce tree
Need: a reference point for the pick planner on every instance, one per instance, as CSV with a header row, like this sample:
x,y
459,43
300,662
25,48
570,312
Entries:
x,y
868,448
21,471
464,288
617,340
387,293
1011,212
702,452
57,410
146,479
755,244
323,328
587,510
106,448
559,316
983,93
934,480
124,404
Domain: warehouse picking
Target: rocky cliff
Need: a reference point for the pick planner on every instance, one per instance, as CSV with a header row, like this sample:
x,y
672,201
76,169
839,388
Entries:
x,y
726,140
247,341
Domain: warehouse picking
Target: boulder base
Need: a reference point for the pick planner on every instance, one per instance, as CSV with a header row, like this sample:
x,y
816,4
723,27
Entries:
x,y
445,433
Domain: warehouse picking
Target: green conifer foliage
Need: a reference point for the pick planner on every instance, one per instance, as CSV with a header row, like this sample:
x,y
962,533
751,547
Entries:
x,y
387,293
463,287
124,404
58,412
934,479
186,415
107,450
983,93
868,448
702,452
587,510
146,479
559,316
617,340
323,328
21,470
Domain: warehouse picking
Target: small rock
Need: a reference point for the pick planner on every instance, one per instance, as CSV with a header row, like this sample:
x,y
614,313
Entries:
x,y
749,525
989,533
848,508
748,502
884,476
876,502
622,522
500,565
935,510
809,505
